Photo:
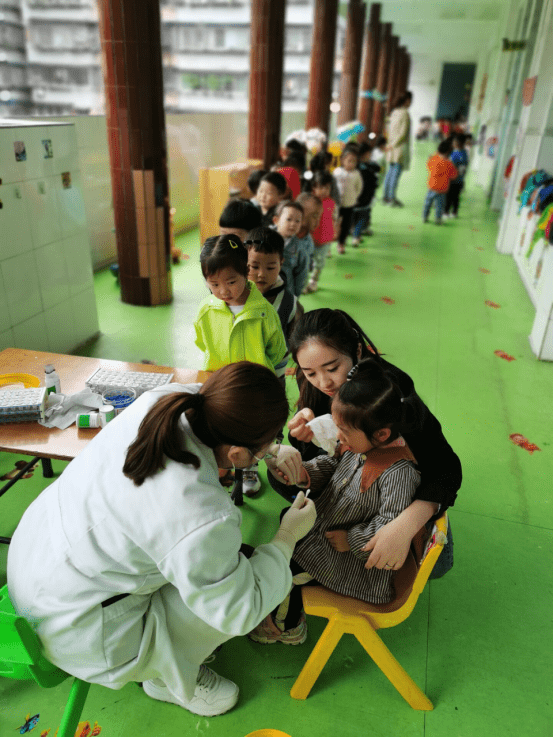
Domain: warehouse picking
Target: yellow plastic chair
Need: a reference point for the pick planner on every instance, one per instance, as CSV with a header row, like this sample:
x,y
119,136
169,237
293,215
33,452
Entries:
x,y
21,658
362,619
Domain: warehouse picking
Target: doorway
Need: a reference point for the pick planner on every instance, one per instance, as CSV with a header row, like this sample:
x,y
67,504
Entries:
x,y
455,91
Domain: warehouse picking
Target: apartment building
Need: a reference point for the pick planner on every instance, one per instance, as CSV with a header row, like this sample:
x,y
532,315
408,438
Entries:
x,y
50,56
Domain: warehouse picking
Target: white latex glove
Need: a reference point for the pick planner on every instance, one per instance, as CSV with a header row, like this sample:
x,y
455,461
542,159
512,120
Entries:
x,y
288,461
295,524
298,425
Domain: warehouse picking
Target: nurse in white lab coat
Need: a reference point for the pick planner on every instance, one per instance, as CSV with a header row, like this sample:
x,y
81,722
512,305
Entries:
x,y
129,564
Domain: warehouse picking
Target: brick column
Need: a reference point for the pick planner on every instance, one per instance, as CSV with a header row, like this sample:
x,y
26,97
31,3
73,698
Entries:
x,y
401,84
349,82
370,68
382,77
392,73
322,64
265,87
130,32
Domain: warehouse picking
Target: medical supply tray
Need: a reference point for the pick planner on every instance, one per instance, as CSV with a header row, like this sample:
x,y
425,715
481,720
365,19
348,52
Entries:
x,y
22,405
107,379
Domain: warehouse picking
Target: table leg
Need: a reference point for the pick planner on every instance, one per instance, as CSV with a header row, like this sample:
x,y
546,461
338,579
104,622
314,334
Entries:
x,y
47,471
18,476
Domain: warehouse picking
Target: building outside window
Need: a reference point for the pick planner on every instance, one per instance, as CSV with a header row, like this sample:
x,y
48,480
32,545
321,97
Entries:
x,y
50,49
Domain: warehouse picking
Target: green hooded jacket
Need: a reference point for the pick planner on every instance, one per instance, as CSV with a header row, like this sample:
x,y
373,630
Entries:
x,y
255,334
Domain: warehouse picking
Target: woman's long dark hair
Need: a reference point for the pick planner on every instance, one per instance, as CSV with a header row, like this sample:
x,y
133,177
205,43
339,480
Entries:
x,y
242,404
371,400
339,331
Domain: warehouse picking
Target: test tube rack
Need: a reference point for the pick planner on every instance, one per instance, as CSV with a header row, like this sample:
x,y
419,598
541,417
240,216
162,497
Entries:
x,y
22,405
108,379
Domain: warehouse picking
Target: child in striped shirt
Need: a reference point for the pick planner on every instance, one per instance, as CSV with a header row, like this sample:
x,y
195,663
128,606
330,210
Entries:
x,y
364,486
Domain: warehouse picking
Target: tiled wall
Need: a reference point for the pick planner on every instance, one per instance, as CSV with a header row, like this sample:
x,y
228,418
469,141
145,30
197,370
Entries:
x,y
47,299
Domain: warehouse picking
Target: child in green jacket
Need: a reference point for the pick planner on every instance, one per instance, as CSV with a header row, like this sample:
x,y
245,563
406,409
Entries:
x,y
236,323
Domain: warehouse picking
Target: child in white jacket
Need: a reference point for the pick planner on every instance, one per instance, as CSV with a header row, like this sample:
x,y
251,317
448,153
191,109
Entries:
x,y
350,184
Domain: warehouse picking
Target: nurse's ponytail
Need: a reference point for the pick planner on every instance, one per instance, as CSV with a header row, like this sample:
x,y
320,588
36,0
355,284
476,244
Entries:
x,y
242,404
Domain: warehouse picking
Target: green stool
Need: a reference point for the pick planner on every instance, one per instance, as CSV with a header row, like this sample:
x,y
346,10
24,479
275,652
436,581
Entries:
x,y
21,658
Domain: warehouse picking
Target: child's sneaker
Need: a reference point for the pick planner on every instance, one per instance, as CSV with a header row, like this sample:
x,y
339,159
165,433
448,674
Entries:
x,y
312,286
268,632
213,695
355,243
341,249
251,484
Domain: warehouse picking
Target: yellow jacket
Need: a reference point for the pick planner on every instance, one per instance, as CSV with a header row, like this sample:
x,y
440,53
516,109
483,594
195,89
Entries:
x,y
255,334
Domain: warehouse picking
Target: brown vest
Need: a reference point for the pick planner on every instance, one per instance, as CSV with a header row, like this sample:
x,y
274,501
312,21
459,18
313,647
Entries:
x,y
380,459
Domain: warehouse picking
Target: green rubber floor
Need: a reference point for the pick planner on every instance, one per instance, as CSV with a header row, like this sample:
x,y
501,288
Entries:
x,y
479,641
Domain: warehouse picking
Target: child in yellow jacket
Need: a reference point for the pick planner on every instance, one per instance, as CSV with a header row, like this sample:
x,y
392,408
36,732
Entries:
x,y
236,323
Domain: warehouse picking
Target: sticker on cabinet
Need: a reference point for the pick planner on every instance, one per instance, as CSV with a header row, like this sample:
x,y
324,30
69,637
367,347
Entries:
x,y
20,153
48,148
66,180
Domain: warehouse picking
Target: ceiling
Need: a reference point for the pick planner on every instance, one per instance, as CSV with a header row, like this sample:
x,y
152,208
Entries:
x,y
452,30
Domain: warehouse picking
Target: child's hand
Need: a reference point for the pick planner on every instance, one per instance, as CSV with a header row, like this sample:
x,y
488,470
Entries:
x,y
288,466
297,425
338,539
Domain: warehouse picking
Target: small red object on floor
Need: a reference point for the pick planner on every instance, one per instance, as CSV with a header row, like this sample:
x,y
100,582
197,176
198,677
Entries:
x,y
480,248
491,304
406,245
484,271
503,355
387,300
476,230
398,268
520,440
348,276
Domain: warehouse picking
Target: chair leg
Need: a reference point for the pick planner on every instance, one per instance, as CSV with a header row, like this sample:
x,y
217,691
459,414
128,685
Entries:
x,y
317,659
387,663
73,708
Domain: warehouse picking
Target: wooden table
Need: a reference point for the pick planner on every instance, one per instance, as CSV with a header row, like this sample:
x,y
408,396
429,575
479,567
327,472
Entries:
x,y
32,439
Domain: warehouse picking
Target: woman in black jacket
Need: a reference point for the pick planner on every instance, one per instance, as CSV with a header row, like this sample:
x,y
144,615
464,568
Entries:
x,y
326,344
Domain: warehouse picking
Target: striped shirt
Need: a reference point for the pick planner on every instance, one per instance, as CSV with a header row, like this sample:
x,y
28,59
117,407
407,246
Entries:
x,y
342,506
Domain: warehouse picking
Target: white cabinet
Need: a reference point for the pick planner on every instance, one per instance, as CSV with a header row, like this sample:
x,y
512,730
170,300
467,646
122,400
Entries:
x,y
46,281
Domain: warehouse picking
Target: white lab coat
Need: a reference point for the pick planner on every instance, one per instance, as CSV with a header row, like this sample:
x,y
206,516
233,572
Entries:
x,y
173,543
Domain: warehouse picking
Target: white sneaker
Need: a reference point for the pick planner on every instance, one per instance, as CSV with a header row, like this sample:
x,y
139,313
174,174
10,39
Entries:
x,y
251,484
213,695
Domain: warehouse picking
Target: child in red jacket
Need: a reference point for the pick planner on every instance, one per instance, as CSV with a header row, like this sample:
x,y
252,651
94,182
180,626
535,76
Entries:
x,y
441,172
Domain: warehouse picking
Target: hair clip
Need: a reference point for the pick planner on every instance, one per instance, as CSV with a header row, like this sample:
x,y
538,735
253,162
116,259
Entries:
x,y
353,371
233,245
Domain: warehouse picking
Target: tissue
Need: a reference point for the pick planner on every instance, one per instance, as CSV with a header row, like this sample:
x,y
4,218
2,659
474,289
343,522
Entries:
x,y
325,433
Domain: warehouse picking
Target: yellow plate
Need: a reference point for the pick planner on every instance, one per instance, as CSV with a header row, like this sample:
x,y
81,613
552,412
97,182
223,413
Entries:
x,y
27,380
267,732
